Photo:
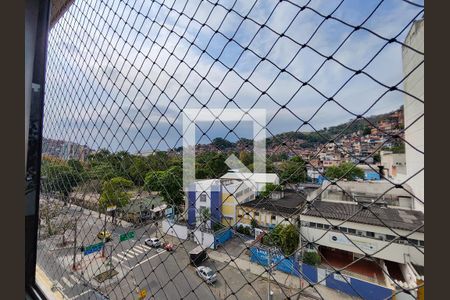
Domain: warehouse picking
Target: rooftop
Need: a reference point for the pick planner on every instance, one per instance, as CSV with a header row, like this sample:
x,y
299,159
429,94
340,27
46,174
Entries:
x,y
256,177
290,204
378,187
375,215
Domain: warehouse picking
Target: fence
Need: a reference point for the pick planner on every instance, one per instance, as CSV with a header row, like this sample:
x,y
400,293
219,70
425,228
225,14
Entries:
x,y
349,285
338,82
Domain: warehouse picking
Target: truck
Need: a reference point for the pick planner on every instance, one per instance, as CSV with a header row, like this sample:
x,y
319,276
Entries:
x,y
197,256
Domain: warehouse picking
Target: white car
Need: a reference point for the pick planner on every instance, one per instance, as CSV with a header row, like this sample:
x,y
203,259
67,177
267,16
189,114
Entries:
x,y
153,242
206,274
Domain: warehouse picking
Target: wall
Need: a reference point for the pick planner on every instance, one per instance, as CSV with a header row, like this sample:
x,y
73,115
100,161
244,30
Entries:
x,y
204,238
286,265
413,109
349,285
220,237
176,230
394,252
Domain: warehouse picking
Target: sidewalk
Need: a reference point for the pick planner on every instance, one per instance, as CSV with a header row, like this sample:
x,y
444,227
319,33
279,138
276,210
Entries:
x,y
45,284
91,266
285,279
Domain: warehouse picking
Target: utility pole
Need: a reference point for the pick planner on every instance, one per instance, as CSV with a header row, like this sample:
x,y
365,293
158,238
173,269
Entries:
x,y
269,271
74,266
104,237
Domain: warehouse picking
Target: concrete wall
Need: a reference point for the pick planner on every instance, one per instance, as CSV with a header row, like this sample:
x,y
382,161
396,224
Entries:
x,y
347,284
413,108
176,230
204,238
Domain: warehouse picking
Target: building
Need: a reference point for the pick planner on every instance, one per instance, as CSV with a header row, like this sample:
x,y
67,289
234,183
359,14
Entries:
x,y
382,192
145,208
414,109
271,211
258,180
346,222
394,165
220,197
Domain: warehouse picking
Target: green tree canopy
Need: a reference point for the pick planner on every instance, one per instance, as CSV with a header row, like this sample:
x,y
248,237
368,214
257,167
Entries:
x,y
59,177
293,170
269,188
345,170
168,183
115,192
285,237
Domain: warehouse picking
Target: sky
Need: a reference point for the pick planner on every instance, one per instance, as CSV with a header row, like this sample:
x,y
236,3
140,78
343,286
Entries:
x,y
120,73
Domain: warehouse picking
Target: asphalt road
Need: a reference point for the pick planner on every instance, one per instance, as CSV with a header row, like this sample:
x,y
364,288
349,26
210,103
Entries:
x,y
162,274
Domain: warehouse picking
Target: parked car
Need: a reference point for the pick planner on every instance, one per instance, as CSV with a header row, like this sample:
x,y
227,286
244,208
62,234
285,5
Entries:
x,y
207,274
168,246
104,235
153,242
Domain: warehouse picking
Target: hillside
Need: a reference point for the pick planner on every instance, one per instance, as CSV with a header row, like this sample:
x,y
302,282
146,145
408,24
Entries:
x,y
308,139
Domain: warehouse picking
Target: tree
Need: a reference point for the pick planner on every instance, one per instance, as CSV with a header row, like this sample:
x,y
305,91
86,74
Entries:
x,y
138,169
115,192
376,157
205,215
246,158
66,225
345,170
168,183
311,258
289,239
103,171
293,170
216,166
254,223
367,130
59,178
269,188
47,213
284,237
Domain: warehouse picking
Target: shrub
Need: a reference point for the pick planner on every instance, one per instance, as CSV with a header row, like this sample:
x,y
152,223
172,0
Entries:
x,y
311,258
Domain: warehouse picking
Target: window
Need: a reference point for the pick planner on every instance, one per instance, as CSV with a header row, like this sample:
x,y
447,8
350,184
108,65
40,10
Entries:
x,y
203,197
273,218
389,237
352,231
370,234
326,226
256,214
343,229
320,226
414,242
422,243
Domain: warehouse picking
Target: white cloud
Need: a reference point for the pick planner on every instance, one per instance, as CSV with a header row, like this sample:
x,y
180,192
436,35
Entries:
x,y
102,67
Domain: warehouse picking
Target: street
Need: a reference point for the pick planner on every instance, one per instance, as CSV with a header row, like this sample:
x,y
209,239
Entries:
x,y
161,274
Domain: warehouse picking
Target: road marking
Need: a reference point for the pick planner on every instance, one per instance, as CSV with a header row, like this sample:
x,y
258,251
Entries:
x,y
146,247
121,256
73,278
149,259
79,295
134,252
140,248
129,255
67,282
116,259
137,250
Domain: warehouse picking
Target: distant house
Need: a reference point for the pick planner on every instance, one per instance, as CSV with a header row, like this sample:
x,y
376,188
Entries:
x,y
146,208
394,165
271,211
